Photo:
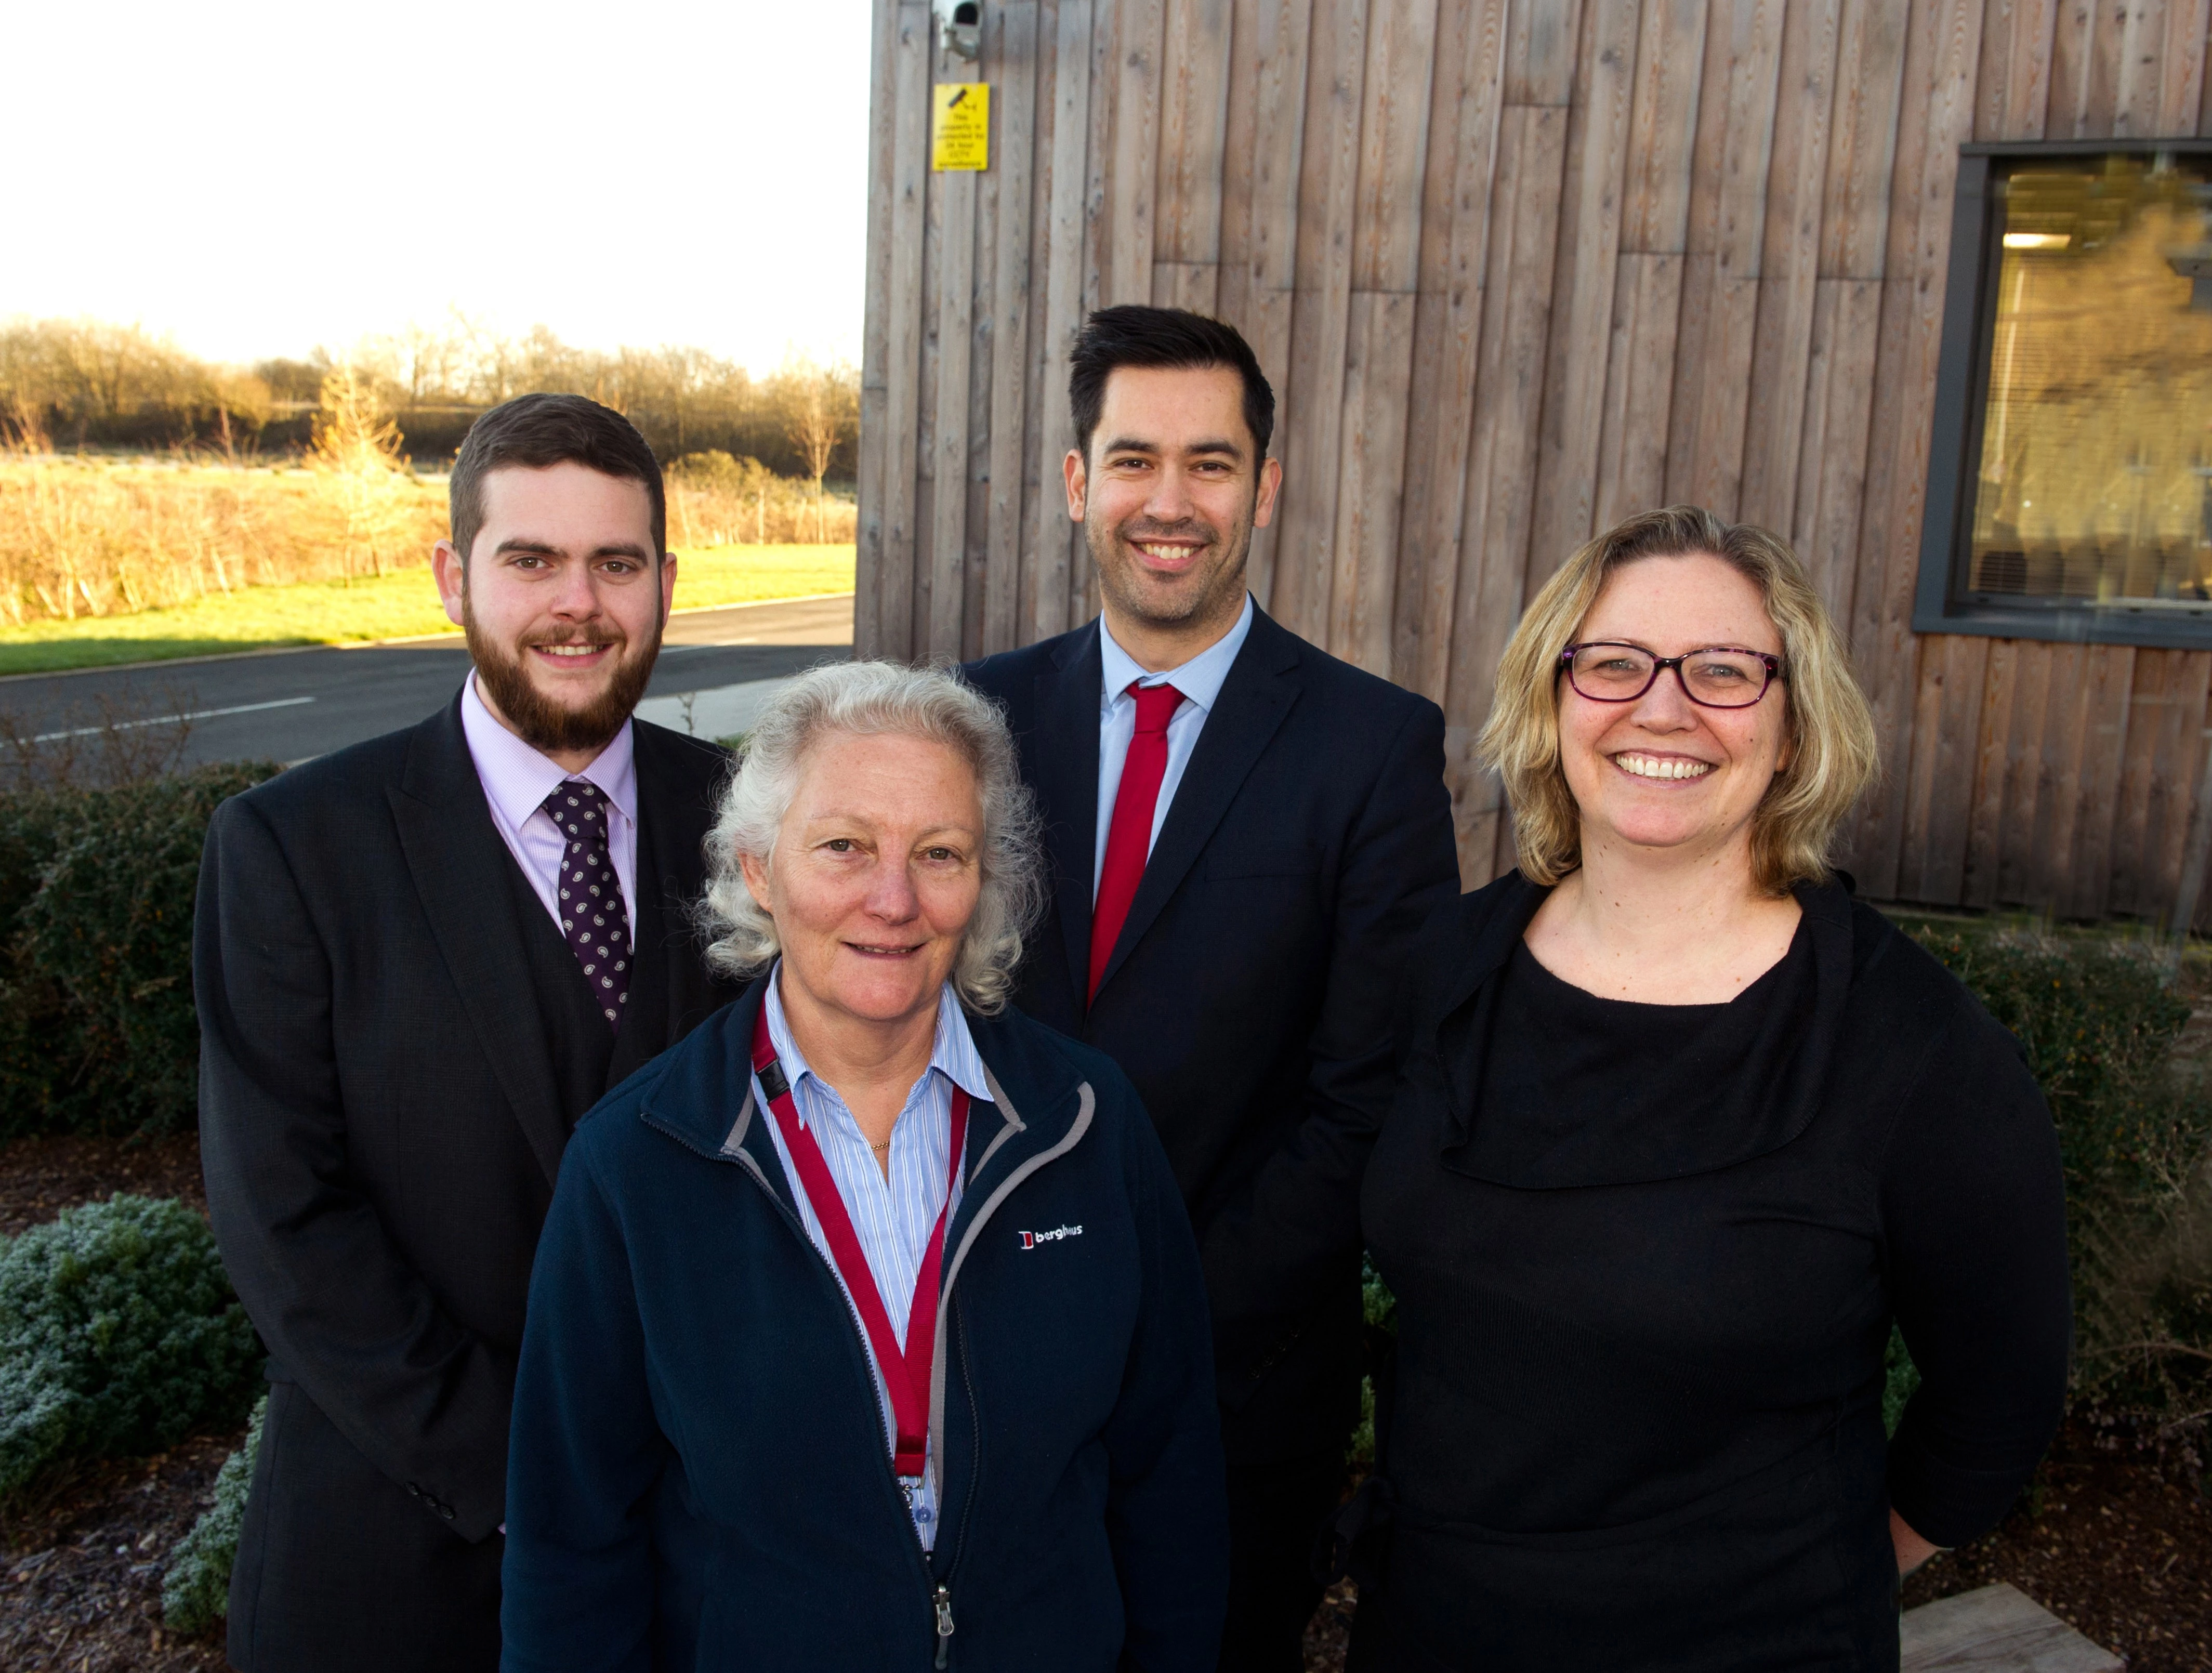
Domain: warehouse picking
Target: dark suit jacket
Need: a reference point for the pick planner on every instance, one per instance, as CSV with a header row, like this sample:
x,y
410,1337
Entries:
x,y
1252,994
395,1042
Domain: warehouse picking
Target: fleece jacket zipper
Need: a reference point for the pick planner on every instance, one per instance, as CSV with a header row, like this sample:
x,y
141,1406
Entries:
x,y
941,1599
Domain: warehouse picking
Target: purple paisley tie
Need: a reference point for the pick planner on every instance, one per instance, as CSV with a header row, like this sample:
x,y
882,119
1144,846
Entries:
x,y
592,916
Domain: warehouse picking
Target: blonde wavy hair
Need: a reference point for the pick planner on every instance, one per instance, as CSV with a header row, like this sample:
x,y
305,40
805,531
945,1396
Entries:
x,y
1832,752
871,699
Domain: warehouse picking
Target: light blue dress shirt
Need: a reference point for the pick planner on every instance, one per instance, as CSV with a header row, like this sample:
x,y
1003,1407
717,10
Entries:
x,y
1199,680
891,1217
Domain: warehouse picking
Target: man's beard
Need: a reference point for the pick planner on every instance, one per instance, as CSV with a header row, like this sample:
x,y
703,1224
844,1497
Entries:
x,y
542,723
1109,551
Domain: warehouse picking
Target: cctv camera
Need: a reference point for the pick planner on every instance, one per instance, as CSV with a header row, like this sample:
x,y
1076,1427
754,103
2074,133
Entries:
x,y
963,29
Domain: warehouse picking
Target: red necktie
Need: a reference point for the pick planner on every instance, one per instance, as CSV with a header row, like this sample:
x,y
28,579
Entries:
x,y
1129,838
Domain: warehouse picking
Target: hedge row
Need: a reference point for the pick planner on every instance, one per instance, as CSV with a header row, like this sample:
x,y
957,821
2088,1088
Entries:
x,y
2099,1015
97,1030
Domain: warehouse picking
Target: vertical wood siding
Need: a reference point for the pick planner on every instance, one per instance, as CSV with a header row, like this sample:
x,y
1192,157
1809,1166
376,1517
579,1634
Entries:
x,y
1516,268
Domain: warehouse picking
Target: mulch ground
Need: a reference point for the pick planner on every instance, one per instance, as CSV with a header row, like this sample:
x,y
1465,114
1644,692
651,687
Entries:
x,y
1328,1634
2113,1539
80,1578
39,1177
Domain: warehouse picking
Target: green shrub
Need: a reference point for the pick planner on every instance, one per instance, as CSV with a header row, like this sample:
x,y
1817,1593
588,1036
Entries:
x,y
118,1334
196,1588
2141,1260
1378,1307
97,1030
1359,1454
1379,1311
2095,1016
2099,1016
1899,1378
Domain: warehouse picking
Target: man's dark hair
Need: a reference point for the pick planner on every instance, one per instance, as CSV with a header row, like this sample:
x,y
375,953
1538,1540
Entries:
x,y
1133,335
534,431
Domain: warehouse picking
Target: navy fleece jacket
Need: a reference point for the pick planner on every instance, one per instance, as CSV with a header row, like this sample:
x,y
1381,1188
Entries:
x,y
698,1479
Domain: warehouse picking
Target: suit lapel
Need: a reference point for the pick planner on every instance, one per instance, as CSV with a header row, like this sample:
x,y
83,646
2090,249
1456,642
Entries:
x,y
460,865
644,1030
1066,771
668,992
1261,688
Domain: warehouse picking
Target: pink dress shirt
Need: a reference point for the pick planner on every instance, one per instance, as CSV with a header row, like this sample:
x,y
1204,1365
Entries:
x,y
516,781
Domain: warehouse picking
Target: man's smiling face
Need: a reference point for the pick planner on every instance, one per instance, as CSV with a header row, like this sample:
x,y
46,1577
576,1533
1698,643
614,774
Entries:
x,y
563,598
1168,498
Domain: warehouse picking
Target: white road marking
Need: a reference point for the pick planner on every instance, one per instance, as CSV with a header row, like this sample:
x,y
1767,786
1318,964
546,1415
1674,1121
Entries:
x,y
172,720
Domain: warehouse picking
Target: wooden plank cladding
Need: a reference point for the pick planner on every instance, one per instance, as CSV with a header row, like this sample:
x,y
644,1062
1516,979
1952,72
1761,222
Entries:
x,y
1516,268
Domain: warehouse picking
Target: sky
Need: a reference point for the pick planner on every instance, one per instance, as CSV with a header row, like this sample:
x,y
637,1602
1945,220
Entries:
x,y
253,179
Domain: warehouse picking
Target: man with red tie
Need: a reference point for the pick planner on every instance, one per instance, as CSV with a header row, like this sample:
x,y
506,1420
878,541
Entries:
x,y
1246,834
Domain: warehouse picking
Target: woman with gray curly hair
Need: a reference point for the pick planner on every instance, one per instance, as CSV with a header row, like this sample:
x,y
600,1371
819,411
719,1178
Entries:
x,y
877,700
870,1312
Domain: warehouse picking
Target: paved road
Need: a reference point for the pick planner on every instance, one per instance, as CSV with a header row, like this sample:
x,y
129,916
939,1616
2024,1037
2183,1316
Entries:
x,y
290,705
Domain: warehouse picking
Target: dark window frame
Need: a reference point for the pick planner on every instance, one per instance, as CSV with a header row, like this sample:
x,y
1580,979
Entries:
x,y
1962,381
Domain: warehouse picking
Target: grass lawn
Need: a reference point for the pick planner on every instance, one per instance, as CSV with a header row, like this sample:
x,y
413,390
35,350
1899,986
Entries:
x,y
402,605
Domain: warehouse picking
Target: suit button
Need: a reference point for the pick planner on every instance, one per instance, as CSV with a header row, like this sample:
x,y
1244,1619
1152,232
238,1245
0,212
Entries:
x,y
446,1510
414,1490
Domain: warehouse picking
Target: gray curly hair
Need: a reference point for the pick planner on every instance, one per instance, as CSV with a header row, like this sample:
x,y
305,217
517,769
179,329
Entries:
x,y
870,699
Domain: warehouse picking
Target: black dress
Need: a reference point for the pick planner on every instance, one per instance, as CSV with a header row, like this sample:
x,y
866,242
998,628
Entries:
x,y
1646,1260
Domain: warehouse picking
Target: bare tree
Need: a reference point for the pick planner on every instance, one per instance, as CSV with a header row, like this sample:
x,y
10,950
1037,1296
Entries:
x,y
357,447
822,404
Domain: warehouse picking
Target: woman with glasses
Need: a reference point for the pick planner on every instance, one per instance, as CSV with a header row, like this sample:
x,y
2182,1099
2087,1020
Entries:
x,y
1682,1131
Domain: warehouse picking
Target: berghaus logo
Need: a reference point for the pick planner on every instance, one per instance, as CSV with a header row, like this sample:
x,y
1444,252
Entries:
x,y
1031,1239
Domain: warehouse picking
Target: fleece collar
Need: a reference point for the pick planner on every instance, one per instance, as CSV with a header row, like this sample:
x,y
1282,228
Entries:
x,y
704,1099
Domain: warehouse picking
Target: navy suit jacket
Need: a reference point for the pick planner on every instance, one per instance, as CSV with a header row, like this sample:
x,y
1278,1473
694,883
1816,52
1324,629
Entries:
x,y
1251,995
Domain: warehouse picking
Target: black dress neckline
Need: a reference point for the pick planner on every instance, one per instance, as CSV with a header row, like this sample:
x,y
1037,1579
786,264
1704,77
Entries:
x,y
1754,992
1570,1089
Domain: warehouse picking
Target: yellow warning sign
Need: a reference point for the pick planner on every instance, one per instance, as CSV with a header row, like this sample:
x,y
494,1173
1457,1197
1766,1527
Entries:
x,y
960,134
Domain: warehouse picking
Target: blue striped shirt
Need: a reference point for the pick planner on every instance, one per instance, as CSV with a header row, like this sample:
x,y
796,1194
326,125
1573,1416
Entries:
x,y
891,1217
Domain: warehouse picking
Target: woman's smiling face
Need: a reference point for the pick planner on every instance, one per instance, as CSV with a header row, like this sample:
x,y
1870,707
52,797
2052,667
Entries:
x,y
876,871
1661,774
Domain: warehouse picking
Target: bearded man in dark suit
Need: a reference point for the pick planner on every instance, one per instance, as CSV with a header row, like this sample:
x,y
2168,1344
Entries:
x,y
418,961
1246,835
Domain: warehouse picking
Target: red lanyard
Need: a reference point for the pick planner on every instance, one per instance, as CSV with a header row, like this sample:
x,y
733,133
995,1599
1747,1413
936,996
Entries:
x,y
906,1375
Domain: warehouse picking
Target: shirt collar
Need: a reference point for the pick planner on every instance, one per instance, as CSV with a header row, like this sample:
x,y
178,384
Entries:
x,y
954,1056
1199,679
517,779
